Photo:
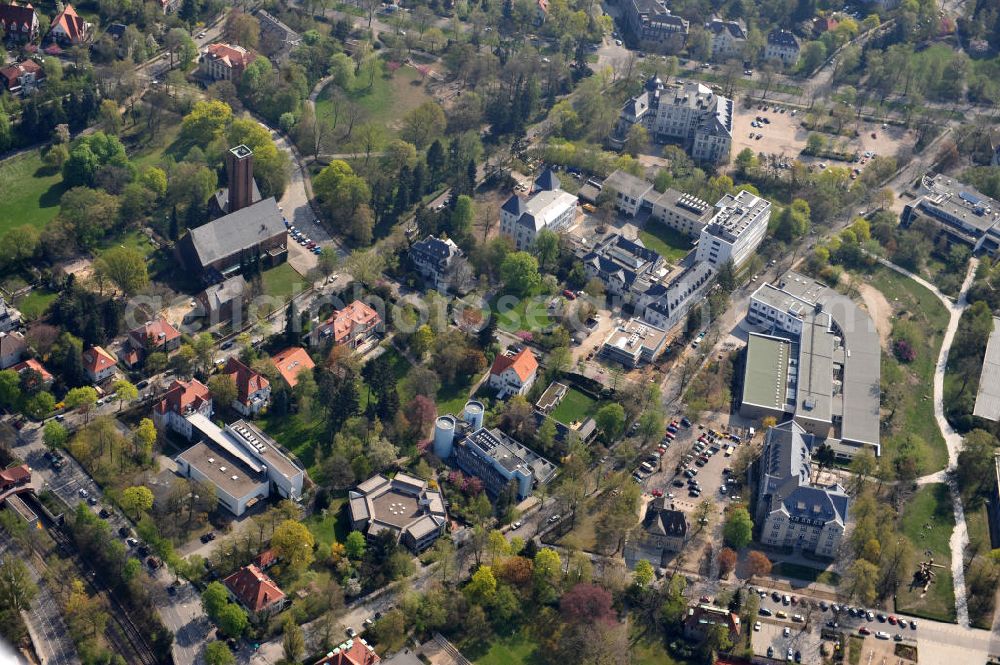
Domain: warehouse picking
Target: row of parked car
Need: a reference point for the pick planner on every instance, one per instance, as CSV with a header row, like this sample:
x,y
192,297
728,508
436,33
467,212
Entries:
x,y
652,461
303,239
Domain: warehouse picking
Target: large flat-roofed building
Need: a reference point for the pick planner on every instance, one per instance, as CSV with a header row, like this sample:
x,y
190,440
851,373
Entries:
x,y
630,191
815,360
691,113
959,211
243,463
497,460
402,505
634,343
221,248
679,211
988,397
735,230
791,509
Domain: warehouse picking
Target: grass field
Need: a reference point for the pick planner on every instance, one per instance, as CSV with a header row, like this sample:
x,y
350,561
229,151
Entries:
x,y
282,282
383,104
668,243
452,398
516,649
916,414
574,407
927,522
331,528
35,303
298,435
33,192
529,313
806,573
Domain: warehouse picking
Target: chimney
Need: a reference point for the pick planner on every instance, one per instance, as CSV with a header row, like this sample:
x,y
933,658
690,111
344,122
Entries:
x,y
239,166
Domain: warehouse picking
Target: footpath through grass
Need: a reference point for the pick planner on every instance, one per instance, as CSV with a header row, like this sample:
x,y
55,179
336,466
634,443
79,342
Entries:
x,y
927,523
915,413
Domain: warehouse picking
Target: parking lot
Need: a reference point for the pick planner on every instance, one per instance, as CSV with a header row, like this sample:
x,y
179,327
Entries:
x,y
783,135
802,645
707,476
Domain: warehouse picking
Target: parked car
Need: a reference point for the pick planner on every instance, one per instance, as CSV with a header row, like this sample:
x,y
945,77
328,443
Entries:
x,y
864,631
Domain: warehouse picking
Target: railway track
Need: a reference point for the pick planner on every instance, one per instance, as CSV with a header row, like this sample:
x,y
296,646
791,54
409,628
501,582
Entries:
x,y
121,632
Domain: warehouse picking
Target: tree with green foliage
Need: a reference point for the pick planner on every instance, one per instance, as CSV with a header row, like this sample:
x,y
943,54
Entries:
x,y
482,587
738,528
125,391
89,154
136,500
519,272
17,589
355,545
293,543
218,653
125,267
293,641
610,420
643,574
54,435
233,620
206,121
213,599
83,398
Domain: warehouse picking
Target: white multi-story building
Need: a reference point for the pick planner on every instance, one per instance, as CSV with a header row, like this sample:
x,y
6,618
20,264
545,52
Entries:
x,y
513,373
691,113
736,229
729,38
791,509
548,207
244,464
681,212
782,46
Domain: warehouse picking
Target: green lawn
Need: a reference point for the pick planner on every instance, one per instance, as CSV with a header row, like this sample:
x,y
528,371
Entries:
x,y
916,413
133,240
299,435
331,528
529,313
927,522
668,243
452,398
33,192
383,104
34,304
650,651
516,649
282,282
574,407
806,573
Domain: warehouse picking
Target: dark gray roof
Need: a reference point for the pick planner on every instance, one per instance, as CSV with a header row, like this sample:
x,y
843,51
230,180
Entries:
x,y
434,250
548,180
515,206
785,476
782,38
219,294
735,28
237,231
222,196
116,30
663,520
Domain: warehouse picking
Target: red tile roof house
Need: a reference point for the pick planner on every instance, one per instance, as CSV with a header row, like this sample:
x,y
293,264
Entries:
x,y
98,364
513,373
68,28
19,22
14,476
32,364
22,77
354,325
253,390
225,62
256,592
151,337
182,399
290,362
352,652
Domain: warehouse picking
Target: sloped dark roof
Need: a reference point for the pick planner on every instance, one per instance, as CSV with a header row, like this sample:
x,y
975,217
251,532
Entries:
x,y
663,520
782,38
515,206
237,231
548,181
